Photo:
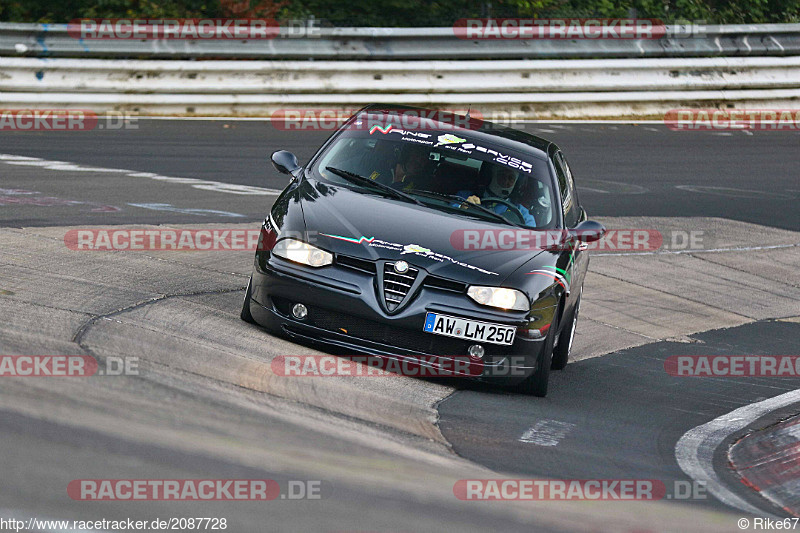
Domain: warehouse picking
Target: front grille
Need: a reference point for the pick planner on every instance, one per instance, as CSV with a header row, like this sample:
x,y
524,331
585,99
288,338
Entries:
x,y
369,267
396,286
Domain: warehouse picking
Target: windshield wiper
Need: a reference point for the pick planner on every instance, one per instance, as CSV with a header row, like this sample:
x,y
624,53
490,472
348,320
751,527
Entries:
x,y
462,201
355,178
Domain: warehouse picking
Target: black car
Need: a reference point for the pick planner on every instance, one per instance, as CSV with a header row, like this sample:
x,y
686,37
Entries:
x,y
455,239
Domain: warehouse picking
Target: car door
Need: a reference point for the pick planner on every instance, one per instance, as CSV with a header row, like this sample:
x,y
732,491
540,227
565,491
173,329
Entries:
x,y
578,260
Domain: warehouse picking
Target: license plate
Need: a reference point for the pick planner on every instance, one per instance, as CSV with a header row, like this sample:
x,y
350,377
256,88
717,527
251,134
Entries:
x,y
474,330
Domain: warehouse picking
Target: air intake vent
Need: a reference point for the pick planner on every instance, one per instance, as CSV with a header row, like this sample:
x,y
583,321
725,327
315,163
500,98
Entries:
x,y
397,285
363,265
445,284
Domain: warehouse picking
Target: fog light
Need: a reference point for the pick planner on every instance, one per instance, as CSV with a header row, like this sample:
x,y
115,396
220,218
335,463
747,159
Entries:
x,y
476,352
299,311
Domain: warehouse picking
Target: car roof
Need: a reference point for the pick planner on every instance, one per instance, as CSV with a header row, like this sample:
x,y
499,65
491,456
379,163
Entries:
x,y
481,130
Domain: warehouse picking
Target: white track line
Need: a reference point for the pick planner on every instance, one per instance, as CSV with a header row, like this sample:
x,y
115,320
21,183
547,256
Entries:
x,y
695,450
206,185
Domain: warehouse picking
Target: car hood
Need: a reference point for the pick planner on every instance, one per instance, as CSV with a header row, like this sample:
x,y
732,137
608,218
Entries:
x,y
373,227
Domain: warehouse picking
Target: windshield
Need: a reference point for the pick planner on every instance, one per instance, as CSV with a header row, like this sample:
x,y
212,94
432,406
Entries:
x,y
444,171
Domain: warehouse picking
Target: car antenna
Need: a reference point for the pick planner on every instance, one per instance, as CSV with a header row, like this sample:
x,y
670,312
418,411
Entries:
x,y
468,110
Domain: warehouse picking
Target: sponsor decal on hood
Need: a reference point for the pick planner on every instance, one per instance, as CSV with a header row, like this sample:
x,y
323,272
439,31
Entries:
x,y
414,249
449,139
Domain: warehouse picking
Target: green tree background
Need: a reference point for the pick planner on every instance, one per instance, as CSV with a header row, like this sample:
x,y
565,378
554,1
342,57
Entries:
x,y
404,12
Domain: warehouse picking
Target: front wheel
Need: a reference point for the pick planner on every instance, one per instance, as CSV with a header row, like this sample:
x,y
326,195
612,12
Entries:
x,y
536,383
564,345
245,315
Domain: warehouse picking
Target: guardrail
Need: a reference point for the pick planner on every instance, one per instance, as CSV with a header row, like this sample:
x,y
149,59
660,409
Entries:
x,y
396,77
53,40
406,66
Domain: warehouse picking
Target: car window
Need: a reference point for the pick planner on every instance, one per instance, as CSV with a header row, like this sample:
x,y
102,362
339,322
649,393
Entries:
x,y
566,186
573,190
431,163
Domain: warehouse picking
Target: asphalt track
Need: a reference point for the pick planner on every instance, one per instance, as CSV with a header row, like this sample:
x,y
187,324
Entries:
x,y
207,405
624,412
623,169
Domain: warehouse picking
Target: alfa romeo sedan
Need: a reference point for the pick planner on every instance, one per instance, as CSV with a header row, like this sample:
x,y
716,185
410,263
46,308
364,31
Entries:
x,y
415,235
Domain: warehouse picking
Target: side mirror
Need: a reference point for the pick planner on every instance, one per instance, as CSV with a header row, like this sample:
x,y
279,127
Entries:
x,y
588,231
285,162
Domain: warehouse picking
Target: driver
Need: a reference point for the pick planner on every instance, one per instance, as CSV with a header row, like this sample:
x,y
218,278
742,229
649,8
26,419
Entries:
x,y
503,181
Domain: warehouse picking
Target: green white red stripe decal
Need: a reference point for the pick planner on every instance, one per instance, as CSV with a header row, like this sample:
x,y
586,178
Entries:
x,y
555,276
360,240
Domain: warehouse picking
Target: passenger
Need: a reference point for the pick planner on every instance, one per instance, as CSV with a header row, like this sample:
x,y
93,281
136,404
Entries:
x,y
413,170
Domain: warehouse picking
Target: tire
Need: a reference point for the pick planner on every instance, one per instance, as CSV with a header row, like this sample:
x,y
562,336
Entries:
x,y
564,345
536,383
246,316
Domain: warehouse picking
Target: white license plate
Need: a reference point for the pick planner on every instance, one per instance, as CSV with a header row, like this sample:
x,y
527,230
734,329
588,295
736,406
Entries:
x,y
460,328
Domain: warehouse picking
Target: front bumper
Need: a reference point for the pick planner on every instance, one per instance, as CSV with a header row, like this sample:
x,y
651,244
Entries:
x,y
344,312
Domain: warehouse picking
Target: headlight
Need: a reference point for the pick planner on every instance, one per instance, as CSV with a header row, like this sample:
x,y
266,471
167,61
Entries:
x,y
499,297
302,252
